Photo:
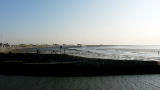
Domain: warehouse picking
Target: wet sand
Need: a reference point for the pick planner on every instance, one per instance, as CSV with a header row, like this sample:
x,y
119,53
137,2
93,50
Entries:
x,y
65,72
67,65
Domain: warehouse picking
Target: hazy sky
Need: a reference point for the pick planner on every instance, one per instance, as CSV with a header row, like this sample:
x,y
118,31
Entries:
x,y
80,21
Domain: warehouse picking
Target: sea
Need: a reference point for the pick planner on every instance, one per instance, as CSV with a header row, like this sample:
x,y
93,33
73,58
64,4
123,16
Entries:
x,y
118,52
121,82
114,52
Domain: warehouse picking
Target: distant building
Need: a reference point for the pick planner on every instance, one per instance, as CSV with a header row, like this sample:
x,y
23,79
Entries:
x,y
4,45
1,44
80,45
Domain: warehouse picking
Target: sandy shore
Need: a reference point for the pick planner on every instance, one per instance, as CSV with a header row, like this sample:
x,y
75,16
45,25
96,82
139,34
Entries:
x,y
67,65
66,72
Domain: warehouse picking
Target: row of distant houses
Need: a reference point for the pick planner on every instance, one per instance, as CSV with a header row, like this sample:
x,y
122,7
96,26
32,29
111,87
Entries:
x,y
7,45
4,45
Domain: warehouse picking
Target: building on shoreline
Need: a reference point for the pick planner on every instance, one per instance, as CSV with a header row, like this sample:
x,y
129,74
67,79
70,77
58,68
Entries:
x,y
6,47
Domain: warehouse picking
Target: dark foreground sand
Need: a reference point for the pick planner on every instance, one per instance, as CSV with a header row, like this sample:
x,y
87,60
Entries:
x,y
65,72
66,65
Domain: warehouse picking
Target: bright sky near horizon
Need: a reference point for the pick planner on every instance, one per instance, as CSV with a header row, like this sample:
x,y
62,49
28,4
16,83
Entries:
x,y
80,21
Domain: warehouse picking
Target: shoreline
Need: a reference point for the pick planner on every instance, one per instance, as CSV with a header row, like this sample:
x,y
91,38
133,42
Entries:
x,y
67,65
117,54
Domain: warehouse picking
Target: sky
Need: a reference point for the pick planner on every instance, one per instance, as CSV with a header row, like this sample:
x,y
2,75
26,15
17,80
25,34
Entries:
x,y
108,22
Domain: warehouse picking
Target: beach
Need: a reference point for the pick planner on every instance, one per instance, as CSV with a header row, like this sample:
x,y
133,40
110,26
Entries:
x,y
115,52
60,71
68,65
75,73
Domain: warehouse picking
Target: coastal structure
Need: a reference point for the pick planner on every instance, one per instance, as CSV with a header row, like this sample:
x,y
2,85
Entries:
x,y
6,47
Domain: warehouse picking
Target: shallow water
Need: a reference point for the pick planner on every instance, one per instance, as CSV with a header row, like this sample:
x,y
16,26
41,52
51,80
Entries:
x,y
126,82
116,52
119,52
